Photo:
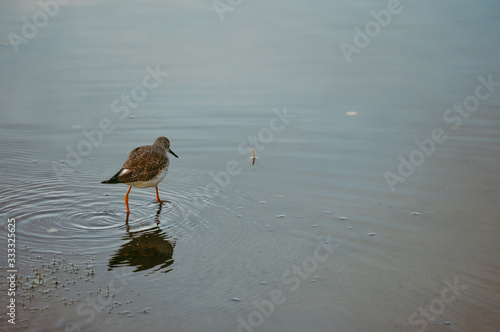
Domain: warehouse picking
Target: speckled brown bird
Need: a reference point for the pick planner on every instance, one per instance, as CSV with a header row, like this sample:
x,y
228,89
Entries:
x,y
145,167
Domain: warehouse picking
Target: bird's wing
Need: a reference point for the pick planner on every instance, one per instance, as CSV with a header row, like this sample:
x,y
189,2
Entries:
x,y
142,164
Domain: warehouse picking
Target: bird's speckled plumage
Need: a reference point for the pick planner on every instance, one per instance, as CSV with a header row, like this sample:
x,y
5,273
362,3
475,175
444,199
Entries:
x,y
146,166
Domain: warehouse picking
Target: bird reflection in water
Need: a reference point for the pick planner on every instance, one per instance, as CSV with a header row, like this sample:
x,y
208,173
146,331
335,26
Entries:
x,y
145,250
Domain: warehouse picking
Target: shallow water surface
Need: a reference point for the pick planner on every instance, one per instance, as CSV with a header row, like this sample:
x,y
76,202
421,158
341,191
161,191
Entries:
x,y
312,236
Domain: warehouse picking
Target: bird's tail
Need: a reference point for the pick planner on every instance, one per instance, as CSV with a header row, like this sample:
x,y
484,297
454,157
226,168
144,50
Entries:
x,y
113,179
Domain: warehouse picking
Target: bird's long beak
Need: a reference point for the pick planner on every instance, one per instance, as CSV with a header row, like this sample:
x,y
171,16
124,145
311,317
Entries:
x,y
172,152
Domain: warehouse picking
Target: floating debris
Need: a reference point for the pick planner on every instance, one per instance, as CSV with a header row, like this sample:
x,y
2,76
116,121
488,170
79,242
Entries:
x,y
315,225
145,311
446,323
262,202
351,113
416,213
235,299
262,282
349,227
372,234
342,218
281,216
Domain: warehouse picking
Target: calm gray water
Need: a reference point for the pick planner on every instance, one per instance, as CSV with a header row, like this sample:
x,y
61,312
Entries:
x,y
372,204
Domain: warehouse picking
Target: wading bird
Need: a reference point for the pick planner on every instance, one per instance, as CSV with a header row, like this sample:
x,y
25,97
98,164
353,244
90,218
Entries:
x,y
145,167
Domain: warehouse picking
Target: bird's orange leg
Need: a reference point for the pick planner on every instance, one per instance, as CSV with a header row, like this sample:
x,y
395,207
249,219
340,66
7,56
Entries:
x,y
126,200
157,196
